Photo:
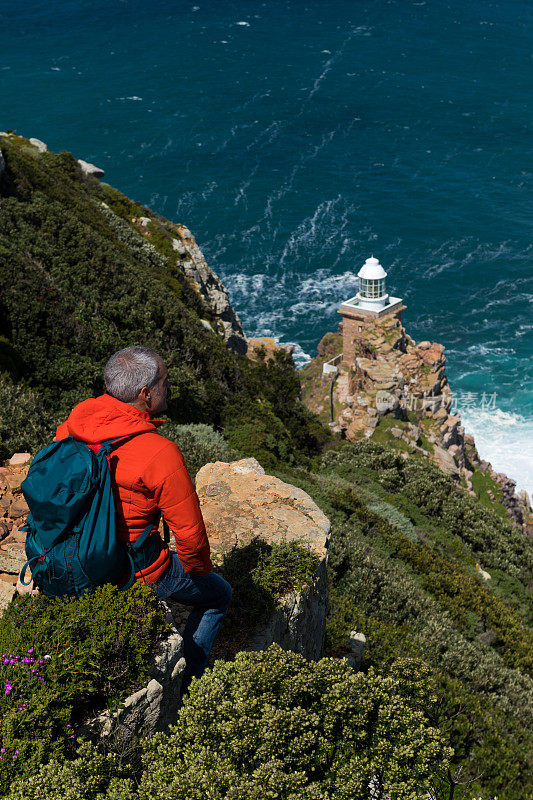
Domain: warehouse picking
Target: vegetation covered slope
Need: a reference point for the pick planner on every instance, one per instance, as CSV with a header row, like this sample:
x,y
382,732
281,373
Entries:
x,y
405,549
77,282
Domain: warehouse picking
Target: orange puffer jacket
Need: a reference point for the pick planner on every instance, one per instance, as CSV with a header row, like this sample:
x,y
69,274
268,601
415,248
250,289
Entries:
x,y
148,474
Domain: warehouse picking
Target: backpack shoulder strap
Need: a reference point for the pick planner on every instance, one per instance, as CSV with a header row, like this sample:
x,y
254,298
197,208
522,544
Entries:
x,y
109,444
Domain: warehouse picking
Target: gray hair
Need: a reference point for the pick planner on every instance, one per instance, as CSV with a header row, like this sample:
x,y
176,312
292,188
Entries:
x,y
129,370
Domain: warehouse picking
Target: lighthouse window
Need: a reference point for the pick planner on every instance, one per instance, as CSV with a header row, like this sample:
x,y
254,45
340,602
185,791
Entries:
x,y
372,287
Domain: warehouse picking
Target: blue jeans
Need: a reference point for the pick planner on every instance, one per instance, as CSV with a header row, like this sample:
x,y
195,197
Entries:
x,y
210,596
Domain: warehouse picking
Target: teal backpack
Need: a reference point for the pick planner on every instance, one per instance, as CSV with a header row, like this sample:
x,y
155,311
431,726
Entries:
x,y
72,544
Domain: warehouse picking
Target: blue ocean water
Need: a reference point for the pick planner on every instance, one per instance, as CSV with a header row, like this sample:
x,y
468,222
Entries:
x,y
296,138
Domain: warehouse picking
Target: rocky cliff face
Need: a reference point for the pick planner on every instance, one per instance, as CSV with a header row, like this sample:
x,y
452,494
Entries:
x,y
211,288
239,502
190,259
398,393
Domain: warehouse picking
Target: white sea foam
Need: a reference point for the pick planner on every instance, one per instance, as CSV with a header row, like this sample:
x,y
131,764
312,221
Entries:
x,y
457,255
490,350
299,356
505,439
241,194
244,24
190,199
364,30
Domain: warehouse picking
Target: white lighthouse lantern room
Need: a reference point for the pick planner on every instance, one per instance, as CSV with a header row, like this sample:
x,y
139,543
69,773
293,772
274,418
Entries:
x,y
372,293
369,304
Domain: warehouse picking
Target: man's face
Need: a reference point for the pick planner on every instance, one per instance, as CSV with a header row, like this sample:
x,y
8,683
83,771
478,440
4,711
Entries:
x,y
160,391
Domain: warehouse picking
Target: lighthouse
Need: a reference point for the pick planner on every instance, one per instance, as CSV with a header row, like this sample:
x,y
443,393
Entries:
x,y
369,304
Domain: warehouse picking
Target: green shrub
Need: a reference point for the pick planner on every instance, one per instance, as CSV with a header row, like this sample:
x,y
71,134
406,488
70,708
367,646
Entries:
x,y
200,444
261,574
392,515
484,707
64,660
258,432
25,422
433,497
88,776
272,725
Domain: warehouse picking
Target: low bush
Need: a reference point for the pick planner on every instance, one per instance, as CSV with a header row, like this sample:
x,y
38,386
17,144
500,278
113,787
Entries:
x,y
200,444
64,660
485,708
90,775
490,748
260,575
272,725
426,492
25,422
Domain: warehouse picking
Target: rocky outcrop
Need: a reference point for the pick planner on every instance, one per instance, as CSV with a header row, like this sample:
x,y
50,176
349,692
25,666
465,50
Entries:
x,y
2,164
90,169
299,622
396,378
13,514
239,502
264,348
210,287
154,707
41,146
182,247
517,504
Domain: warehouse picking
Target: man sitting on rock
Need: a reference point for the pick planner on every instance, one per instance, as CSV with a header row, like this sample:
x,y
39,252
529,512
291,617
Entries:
x,y
149,476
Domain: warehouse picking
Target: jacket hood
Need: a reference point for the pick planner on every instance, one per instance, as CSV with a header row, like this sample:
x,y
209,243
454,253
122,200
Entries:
x,y
100,418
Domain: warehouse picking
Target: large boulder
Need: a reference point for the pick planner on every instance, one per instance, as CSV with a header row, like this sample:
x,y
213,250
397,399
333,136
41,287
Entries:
x,y
41,146
445,461
240,502
386,402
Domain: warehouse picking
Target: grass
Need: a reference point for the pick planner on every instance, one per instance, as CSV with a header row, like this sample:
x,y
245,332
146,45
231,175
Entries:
x,y
482,484
382,434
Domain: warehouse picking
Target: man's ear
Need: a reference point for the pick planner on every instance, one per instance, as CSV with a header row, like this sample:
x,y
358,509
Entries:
x,y
145,394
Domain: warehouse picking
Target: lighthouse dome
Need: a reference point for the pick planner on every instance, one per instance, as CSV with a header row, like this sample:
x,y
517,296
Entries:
x,y
372,270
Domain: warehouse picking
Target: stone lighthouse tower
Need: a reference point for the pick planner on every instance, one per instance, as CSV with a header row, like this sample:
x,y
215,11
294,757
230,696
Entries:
x,y
369,304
